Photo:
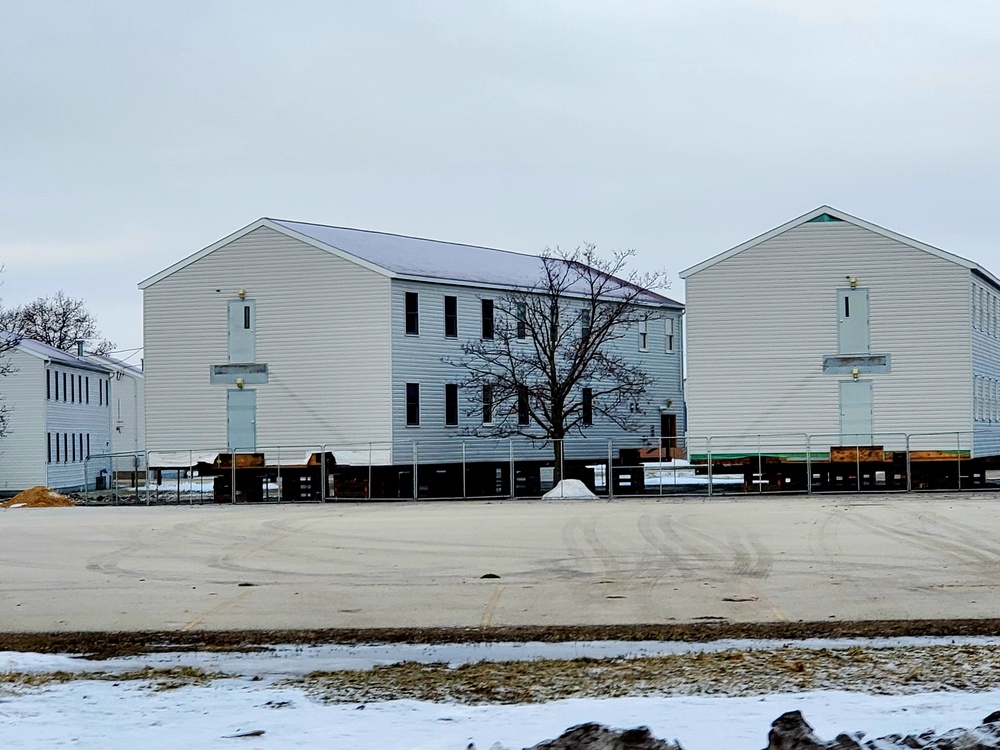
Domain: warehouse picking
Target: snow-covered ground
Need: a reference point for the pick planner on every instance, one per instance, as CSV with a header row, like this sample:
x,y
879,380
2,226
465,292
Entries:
x,y
108,714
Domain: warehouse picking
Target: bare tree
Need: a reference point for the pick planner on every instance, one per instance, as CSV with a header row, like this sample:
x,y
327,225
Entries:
x,y
527,376
58,321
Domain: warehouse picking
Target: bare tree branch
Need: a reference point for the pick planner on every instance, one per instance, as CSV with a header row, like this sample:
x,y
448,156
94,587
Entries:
x,y
58,321
555,339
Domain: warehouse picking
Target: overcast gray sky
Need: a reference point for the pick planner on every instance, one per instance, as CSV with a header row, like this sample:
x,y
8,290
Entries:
x,y
135,133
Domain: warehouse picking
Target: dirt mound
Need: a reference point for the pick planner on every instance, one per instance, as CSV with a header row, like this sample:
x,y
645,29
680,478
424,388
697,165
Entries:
x,y
38,497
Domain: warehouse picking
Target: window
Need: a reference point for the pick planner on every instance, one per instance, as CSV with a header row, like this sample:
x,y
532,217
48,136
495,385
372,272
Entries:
x,y
79,388
72,389
451,317
87,388
107,393
643,336
412,314
588,406
100,392
413,404
451,405
88,443
487,319
523,415
48,385
65,445
64,386
487,404
585,324
82,454
48,445
55,379
72,440
521,310
669,344
57,447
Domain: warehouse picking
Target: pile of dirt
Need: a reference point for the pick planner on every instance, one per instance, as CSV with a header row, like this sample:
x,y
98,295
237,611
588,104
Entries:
x,y
38,497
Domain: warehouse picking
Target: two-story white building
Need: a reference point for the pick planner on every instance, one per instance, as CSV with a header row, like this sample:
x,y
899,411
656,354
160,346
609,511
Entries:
x,y
293,334
834,327
59,415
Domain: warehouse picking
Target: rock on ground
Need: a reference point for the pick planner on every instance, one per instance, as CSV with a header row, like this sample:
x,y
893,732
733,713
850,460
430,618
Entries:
x,y
600,737
790,731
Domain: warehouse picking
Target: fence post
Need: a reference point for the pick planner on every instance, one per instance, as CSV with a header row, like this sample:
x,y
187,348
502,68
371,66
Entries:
x,y
147,479
857,462
416,490
958,455
610,476
510,443
232,470
760,468
369,493
708,454
464,493
809,473
909,478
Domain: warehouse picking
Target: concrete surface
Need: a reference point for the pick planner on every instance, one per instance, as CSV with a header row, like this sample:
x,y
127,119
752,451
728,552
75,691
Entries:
x,y
558,562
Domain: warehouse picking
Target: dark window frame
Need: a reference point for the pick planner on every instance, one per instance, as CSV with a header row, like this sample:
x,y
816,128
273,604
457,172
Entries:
x,y
451,405
413,404
450,317
489,327
523,412
587,407
412,313
487,403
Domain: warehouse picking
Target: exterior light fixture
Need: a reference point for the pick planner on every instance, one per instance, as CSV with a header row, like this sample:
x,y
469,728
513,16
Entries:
x,y
854,283
239,381
242,293
854,374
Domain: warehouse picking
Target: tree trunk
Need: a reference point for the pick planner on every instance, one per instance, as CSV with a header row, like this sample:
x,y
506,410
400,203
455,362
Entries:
x,y
557,456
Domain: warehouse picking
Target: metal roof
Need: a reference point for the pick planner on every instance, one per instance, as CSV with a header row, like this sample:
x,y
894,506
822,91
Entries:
x,y
51,354
400,256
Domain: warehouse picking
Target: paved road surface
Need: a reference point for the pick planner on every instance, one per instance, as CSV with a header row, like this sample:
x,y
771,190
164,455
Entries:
x,y
559,563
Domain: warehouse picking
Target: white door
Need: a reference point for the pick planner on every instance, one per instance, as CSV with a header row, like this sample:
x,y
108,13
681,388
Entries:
x,y
241,418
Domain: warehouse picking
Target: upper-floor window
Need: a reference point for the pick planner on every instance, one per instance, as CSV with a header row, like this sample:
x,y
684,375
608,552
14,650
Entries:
x,y
451,405
585,324
521,311
65,389
413,404
412,314
72,389
588,406
643,336
451,317
669,343
48,384
487,319
86,389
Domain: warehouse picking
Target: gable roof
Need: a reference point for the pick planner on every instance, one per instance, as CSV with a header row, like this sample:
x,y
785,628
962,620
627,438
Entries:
x,y
827,214
51,354
402,257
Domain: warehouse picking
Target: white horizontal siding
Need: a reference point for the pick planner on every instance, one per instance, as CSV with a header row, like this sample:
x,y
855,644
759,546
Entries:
x,y
759,324
419,359
322,328
22,457
67,420
984,309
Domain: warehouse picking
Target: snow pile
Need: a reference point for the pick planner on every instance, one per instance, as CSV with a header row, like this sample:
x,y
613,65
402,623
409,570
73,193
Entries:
x,y
570,488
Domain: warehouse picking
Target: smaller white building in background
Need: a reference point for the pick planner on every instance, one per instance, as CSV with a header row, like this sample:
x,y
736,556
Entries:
x,y
128,423
62,417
